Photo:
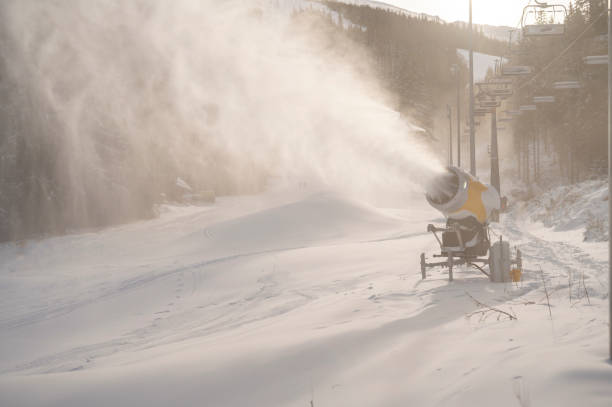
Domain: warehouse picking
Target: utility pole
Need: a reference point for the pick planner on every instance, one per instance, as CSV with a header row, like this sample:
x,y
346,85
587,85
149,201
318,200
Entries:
x,y
572,138
537,149
610,174
472,141
450,135
494,153
535,155
526,158
458,117
495,159
521,157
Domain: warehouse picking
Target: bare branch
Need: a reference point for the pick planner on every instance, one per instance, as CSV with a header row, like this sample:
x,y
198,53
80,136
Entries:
x,y
546,291
487,309
585,289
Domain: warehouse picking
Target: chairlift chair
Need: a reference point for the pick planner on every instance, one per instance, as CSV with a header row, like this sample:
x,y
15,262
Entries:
x,y
543,20
596,60
489,103
500,81
567,85
543,99
497,88
501,92
516,70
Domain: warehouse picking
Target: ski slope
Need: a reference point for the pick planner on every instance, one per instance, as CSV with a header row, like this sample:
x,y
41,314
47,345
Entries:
x,y
295,297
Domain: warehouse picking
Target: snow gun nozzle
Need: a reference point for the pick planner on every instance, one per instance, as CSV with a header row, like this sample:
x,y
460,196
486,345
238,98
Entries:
x,y
442,188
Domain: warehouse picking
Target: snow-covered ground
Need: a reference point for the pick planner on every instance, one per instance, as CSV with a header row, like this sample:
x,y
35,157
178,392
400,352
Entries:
x,y
296,298
579,209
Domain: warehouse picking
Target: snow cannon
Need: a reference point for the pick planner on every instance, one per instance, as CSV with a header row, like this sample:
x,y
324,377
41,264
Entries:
x,y
458,196
468,205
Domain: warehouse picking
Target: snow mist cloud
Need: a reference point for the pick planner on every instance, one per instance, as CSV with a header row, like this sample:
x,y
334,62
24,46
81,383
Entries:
x,y
132,94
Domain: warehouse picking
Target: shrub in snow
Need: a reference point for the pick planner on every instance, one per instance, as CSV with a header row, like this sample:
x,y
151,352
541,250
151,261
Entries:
x,y
571,207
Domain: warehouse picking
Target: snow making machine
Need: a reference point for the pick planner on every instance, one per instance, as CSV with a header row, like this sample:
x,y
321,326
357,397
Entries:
x,y
467,205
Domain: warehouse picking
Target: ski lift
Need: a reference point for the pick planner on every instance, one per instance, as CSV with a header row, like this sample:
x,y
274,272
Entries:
x,y
501,92
489,103
567,85
527,108
596,60
516,70
481,111
543,20
498,88
498,84
500,81
543,99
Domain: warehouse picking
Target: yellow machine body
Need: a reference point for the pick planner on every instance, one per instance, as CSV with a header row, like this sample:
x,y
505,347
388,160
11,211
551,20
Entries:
x,y
458,195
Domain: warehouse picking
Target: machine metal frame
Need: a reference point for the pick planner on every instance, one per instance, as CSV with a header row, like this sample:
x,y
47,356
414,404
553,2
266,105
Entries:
x,y
461,257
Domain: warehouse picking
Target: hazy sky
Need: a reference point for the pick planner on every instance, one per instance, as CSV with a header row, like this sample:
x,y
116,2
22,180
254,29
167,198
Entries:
x,y
494,12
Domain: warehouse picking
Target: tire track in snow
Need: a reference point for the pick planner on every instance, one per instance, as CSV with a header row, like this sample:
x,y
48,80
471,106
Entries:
x,y
127,285
559,260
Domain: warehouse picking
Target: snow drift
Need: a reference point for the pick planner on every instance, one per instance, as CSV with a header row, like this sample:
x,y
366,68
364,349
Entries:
x,y
223,306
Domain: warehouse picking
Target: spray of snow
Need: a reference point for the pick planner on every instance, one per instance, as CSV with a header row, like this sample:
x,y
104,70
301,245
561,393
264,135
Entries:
x,y
182,88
